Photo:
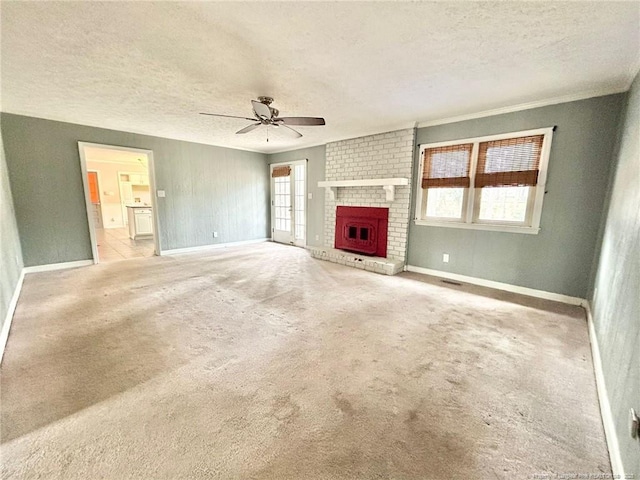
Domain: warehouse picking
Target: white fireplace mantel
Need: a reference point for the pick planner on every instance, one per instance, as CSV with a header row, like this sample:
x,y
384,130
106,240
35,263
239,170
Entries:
x,y
388,184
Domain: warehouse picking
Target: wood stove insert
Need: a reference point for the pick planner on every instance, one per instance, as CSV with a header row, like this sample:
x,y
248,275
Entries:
x,y
362,230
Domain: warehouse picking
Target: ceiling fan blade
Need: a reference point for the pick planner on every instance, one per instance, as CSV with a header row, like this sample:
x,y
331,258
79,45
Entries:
x,y
294,131
249,128
302,121
226,116
262,110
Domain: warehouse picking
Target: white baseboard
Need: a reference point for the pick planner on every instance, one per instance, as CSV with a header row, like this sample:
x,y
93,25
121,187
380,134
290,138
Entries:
x,y
57,266
500,286
177,251
8,318
603,397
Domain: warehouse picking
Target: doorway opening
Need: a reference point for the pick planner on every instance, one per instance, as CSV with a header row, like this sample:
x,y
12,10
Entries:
x,y
119,186
289,203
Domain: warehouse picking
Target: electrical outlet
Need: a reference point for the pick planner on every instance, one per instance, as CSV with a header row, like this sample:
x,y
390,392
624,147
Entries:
x,y
215,234
445,258
317,237
310,196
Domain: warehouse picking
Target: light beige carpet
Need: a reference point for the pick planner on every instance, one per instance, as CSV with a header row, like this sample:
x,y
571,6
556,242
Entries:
x,y
262,363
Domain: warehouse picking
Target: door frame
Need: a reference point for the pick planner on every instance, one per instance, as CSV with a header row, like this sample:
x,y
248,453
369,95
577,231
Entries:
x,y
87,197
97,172
293,163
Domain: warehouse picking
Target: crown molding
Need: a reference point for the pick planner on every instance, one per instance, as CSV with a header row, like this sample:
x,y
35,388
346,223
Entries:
x,y
20,113
496,111
526,106
383,130
293,149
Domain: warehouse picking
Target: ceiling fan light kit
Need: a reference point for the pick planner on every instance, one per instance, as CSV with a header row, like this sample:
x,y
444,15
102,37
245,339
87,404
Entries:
x,y
267,115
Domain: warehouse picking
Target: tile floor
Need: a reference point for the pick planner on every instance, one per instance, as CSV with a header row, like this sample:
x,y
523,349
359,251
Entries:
x,y
114,244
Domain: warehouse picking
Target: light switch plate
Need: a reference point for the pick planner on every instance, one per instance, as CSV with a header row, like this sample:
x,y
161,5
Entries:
x,y
310,196
445,258
161,193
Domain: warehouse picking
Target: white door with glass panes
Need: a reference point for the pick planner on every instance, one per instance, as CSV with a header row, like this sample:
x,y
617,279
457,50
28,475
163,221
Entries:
x,y
288,202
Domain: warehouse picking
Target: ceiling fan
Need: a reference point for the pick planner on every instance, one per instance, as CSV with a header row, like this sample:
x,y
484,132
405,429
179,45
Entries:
x,y
265,114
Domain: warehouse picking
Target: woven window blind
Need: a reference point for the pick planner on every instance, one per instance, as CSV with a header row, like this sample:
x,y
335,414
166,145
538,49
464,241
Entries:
x,y
510,162
447,166
284,171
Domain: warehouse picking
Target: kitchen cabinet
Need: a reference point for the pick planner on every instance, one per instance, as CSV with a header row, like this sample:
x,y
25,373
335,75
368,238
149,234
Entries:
x,y
140,180
135,178
140,221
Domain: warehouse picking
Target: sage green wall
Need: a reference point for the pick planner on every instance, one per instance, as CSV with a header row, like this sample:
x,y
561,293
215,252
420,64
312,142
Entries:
x,y
559,258
315,173
615,297
10,252
207,189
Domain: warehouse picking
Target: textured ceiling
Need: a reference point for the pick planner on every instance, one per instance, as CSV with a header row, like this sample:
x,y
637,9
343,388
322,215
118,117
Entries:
x,y
367,67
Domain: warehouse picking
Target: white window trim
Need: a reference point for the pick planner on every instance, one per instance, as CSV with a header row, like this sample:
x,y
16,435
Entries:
x,y
470,198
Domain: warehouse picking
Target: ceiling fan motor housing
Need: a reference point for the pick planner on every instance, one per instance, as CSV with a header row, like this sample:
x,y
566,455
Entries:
x,y
268,101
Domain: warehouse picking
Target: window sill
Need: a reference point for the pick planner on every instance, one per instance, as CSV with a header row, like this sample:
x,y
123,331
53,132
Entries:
x,y
480,226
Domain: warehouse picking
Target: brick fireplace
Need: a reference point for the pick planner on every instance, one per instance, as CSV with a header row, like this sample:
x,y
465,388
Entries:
x,y
359,163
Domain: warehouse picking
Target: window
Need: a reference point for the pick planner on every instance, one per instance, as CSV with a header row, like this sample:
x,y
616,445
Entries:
x,y
490,183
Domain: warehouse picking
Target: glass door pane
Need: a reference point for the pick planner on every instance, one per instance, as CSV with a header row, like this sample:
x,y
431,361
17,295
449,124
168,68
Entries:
x,y
300,194
281,219
288,205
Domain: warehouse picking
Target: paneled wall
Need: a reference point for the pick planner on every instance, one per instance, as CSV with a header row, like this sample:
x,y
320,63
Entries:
x,y
11,254
559,258
207,189
315,157
615,297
